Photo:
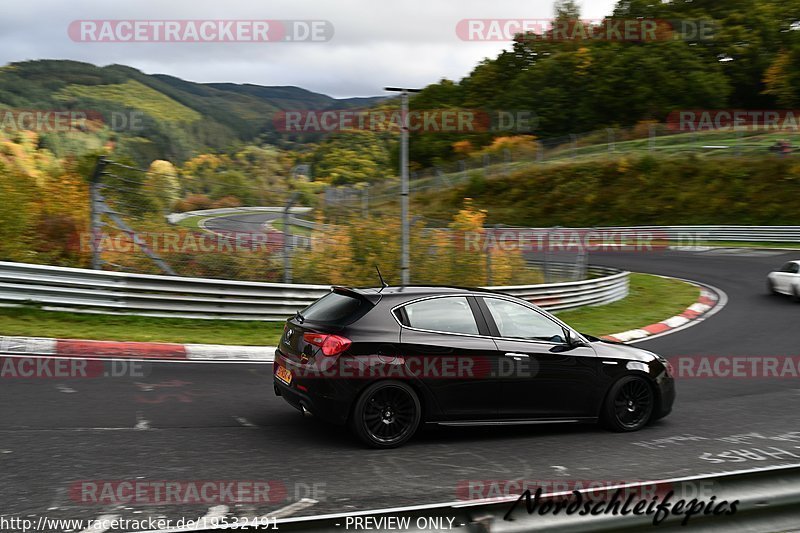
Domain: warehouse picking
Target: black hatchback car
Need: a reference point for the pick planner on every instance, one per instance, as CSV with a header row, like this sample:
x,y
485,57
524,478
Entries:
x,y
385,360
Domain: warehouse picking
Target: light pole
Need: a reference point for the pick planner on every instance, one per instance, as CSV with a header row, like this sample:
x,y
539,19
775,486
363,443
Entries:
x,y
404,231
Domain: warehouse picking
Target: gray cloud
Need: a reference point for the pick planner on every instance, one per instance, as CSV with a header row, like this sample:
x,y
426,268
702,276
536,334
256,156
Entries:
x,y
376,43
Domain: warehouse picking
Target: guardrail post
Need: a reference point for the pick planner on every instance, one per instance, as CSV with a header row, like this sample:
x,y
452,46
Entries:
x,y
580,261
547,255
95,212
287,237
490,240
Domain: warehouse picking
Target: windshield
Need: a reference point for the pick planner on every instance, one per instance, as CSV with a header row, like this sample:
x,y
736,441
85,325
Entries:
x,y
335,309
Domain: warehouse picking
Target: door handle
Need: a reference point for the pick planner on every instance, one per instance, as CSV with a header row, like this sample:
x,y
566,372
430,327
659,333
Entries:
x,y
516,355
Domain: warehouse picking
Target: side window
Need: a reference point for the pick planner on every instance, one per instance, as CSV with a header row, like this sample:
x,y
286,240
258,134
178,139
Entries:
x,y
790,267
795,268
451,315
519,322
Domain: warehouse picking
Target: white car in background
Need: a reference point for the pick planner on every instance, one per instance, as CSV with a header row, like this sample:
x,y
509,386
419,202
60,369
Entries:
x,y
786,280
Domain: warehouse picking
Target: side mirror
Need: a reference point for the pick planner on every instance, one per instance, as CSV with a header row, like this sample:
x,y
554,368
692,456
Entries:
x,y
569,344
572,341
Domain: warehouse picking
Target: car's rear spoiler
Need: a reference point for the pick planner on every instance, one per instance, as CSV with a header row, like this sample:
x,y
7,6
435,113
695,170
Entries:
x,y
370,295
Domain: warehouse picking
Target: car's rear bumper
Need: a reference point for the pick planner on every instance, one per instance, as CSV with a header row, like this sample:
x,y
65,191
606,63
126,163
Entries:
x,y
306,396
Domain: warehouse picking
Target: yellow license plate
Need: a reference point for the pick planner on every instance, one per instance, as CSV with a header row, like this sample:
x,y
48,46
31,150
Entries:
x,y
284,374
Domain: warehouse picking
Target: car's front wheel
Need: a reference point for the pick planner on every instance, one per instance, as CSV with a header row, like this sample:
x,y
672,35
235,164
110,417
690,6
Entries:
x,y
629,404
386,414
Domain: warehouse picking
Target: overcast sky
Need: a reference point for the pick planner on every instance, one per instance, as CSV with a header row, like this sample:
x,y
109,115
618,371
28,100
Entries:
x,y
376,42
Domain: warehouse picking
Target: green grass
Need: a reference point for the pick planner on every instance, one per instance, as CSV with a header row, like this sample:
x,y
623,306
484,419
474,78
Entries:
x,y
651,300
30,322
192,222
134,95
296,230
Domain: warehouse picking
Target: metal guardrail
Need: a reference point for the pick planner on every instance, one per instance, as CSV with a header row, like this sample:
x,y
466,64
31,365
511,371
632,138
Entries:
x,y
724,233
697,233
766,499
96,291
308,224
689,233
609,286
174,218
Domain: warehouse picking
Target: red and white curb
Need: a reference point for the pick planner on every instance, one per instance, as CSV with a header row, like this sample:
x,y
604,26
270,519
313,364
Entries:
x,y
149,351
711,301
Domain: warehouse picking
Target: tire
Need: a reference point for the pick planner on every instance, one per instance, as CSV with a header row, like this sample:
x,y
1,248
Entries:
x,y
795,294
386,414
629,404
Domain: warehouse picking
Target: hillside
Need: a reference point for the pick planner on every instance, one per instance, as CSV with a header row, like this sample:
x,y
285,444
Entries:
x,y
628,189
179,118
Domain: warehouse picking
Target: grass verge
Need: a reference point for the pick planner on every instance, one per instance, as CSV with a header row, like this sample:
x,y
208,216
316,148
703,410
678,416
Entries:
x,y
296,230
651,299
35,322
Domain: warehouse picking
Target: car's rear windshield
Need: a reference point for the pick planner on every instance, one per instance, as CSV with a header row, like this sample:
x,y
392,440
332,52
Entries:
x,y
336,309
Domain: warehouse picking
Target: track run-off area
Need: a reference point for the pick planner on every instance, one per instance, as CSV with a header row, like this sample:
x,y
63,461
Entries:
x,y
183,421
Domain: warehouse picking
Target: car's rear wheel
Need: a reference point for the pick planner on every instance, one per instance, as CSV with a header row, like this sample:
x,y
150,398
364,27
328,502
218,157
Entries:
x,y
629,405
386,414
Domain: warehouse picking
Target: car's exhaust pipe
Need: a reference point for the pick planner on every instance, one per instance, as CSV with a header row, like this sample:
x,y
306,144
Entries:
x,y
306,412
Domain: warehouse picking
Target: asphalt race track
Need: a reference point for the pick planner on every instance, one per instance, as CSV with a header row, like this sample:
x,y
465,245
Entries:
x,y
241,223
217,421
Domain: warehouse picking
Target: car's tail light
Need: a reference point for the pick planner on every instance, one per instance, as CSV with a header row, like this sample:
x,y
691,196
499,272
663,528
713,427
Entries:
x,y
329,344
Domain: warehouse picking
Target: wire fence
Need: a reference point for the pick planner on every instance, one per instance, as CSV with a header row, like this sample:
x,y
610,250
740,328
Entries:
x,y
351,229
648,138
132,231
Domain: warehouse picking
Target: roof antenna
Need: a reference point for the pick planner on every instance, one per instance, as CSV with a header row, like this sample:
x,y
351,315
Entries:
x,y
383,283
